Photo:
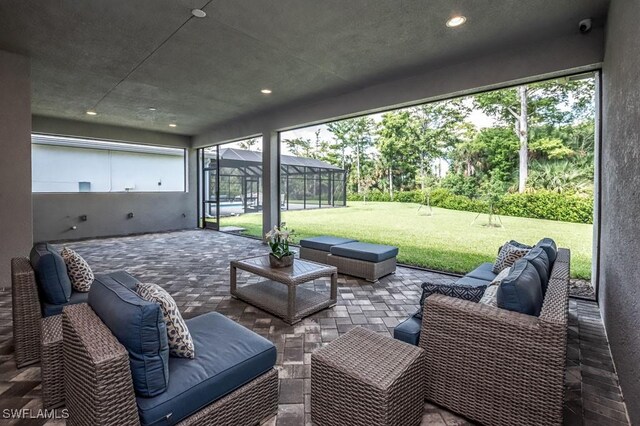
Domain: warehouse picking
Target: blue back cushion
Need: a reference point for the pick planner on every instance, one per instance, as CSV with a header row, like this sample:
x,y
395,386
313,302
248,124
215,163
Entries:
x,y
539,259
549,246
521,291
139,326
51,274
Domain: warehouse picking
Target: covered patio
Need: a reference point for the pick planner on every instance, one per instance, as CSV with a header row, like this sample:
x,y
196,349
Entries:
x,y
194,269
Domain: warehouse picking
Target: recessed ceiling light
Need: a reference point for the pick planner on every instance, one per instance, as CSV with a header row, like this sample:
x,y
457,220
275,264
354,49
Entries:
x,y
198,13
172,125
266,91
91,112
152,108
456,21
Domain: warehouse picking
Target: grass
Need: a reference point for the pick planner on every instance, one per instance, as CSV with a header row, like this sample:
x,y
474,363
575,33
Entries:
x,y
446,240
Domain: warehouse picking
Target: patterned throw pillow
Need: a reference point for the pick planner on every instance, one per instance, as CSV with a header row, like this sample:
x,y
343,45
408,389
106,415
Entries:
x,y
490,296
508,254
78,269
464,292
180,341
501,276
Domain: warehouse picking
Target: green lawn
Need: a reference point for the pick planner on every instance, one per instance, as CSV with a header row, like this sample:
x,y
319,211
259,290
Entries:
x,y
446,240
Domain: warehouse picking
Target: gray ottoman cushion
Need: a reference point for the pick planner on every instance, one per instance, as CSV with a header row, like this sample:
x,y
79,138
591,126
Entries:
x,y
324,242
364,251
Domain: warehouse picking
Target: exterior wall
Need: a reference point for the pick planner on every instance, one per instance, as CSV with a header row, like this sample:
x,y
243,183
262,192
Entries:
x,y
15,162
619,291
54,214
62,168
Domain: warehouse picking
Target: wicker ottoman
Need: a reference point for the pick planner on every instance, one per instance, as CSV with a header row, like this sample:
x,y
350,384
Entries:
x,y
364,378
317,249
363,260
52,366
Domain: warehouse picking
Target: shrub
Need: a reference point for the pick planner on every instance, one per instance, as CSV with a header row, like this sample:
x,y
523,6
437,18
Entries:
x,y
444,198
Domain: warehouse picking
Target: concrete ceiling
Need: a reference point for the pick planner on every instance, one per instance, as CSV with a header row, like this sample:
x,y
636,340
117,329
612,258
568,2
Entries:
x,y
211,70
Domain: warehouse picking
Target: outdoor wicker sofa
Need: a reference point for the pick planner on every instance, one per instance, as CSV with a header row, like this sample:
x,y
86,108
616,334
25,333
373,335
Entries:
x,y
495,366
112,346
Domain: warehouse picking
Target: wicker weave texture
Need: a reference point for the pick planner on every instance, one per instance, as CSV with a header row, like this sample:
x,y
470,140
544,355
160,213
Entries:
x,y
363,378
27,332
254,402
370,271
52,362
314,255
495,366
97,376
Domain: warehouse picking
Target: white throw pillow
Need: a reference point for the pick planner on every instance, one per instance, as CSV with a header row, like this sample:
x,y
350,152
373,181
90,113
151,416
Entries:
x,y
78,269
180,341
490,296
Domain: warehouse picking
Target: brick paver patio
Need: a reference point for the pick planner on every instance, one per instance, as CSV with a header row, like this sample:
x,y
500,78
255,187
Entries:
x,y
194,267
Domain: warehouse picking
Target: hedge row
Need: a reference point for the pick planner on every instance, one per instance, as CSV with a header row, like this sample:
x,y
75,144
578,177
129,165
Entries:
x,y
539,204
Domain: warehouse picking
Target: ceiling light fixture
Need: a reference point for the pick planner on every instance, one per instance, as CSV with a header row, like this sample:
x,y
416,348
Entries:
x,y
172,125
266,91
91,112
198,13
456,21
152,108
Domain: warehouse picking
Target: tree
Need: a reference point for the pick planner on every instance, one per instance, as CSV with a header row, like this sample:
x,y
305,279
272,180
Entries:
x,y
299,147
353,137
248,144
554,102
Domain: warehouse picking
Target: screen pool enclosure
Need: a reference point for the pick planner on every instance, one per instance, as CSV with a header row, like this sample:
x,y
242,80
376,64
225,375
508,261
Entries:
x,y
233,182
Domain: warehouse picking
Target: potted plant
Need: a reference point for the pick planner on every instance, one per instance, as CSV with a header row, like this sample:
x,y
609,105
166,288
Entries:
x,y
279,239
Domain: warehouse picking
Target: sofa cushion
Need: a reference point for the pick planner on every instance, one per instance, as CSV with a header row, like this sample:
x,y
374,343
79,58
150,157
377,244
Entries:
x,y
324,242
521,290
180,340
472,293
483,272
50,309
538,258
229,356
78,269
365,251
549,246
122,277
472,282
409,330
508,254
51,274
140,328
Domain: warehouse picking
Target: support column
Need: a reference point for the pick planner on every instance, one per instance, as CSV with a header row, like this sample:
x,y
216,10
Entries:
x,y
270,180
16,224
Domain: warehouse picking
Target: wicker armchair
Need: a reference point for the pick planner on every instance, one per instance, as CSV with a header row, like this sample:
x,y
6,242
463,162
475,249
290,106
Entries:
x,y
495,366
27,316
99,387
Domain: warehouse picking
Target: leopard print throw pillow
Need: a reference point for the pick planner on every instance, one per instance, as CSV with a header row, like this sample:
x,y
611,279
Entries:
x,y
78,269
180,341
507,256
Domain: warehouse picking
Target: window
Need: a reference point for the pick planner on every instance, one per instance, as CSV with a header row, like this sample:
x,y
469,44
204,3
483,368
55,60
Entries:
x,y
64,164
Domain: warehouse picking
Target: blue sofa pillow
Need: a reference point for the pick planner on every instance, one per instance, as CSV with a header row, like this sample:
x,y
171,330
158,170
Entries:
x,y
51,274
139,326
521,290
539,259
549,246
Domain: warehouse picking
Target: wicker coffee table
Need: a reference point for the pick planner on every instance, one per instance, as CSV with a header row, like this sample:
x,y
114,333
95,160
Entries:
x,y
280,293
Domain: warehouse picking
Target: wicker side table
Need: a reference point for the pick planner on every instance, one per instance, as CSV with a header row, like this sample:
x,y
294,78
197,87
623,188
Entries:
x,y
364,378
52,366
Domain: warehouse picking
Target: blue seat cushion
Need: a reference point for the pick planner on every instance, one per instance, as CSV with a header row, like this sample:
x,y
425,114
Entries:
x,y
365,251
139,326
124,278
408,330
483,272
228,356
549,246
53,282
472,282
521,290
538,258
50,309
324,243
